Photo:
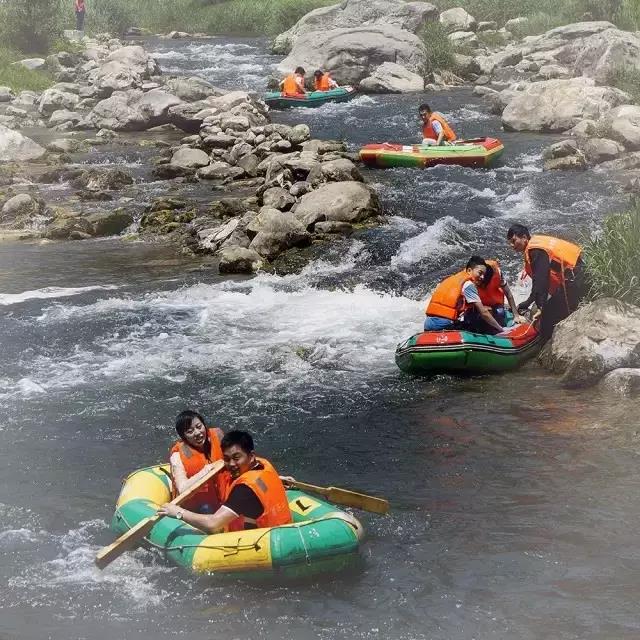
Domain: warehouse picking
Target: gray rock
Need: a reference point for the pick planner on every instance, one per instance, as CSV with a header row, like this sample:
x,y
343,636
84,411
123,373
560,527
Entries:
x,y
597,338
463,39
625,162
390,77
14,147
6,94
338,201
54,99
340,170
558,105
331,226
62,228
466,66
457,19
515,24
32,63
623,124
110,223
623,382
102,179
191,89
125,68
487,25
21,205
239,260
62,116
300,188
299,134
278,198
597,150
64,145
565,163
218,170
249,164
190,158
26,98
585,128
355,53
552,71
218,141
274,231
410,16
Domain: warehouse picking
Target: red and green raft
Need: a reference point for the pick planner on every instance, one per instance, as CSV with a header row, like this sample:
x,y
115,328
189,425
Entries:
x,y
479,152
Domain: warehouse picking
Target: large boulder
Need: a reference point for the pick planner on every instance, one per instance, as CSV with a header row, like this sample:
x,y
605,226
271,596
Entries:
x,y
19,206
124,68
624,382
110,223
107,179
390,77
191,89
558,105
54,99
274,231
190,158
410,16
597,150
597,338
355,53
235,259
457,19
623,124
564,155
339,201
14,147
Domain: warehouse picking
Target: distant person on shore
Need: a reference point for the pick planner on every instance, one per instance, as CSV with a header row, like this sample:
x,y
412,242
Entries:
x,y
456,303
80,10
253,495
555,266
435,129
293,85
493,289
323,81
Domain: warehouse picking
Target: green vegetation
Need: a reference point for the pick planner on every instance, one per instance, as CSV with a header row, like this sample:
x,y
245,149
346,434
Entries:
x,y
441,51
612,258
628,80
30,26
18,77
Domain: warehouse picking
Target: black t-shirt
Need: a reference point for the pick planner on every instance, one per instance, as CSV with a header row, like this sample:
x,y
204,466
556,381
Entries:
x,y
243,501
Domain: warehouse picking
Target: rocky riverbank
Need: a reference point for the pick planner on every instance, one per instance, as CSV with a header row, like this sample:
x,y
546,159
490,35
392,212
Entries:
x,y
237,185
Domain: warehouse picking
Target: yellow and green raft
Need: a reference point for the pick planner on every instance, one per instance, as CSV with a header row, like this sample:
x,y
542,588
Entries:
x,y
321,538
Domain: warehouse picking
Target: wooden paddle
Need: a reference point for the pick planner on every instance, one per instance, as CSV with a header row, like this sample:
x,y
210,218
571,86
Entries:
x,y
344,497
131,538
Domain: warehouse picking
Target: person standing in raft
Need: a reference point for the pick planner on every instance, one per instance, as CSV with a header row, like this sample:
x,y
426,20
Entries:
x,y
293,85
191,458
80,10
492,291
323,81
253,495
556,269
435,129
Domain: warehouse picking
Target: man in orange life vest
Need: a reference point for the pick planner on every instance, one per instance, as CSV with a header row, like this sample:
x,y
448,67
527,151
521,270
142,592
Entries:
x,y
253,495
456,302
293,84
557,272
435,129
323,81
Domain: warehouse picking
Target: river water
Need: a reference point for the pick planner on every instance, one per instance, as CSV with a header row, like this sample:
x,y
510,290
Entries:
x,y
515,504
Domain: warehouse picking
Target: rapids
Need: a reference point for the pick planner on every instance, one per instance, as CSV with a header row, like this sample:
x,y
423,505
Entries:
x,y
514,504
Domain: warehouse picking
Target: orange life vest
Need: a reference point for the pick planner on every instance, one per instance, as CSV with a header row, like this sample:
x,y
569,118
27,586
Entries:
x,y
193,462
290,87
322,83
493,294
428,132
447,300
268,487
563,256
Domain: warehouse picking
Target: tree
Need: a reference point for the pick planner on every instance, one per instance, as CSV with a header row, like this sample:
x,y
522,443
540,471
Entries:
x,y
32,25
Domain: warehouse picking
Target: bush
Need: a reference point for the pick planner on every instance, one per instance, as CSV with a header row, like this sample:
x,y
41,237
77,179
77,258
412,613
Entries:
x,y
628,80
441,51
18,77
31,25
612,258
111,16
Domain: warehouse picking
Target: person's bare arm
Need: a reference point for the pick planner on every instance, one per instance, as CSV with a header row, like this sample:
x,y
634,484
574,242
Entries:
x,y
179,475
485,313
517,317
207,522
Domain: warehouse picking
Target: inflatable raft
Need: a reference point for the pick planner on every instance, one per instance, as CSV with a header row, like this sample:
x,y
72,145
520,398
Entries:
x,y
432,352
314,99
321,538
480,152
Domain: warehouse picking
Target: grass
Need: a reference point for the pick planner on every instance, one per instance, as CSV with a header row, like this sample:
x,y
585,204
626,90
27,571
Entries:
x,y
628,80
19,78
612,258
441,51
234,17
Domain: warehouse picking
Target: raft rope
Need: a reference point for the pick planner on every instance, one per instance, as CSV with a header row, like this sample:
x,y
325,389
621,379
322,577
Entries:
x,y
237,548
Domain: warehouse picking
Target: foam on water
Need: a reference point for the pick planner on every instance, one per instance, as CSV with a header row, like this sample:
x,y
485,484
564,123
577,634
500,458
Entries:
x,y
50,292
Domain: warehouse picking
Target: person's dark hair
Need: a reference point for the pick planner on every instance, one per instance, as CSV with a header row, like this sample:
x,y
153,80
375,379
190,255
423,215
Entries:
x,y
317,73
475,261
237,437
518,230
487,276
183,422
424,108
300,70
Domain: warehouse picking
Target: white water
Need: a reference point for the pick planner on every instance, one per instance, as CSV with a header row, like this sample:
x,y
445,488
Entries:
x,y
50,292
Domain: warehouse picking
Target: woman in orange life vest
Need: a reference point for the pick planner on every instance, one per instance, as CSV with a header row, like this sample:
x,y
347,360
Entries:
x,y
253,494
323,81
493,289
557,273
191,458
293,85
435,129
456,302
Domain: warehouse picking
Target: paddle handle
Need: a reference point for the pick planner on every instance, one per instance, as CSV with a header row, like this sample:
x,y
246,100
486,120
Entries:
x,y
131,538
305,486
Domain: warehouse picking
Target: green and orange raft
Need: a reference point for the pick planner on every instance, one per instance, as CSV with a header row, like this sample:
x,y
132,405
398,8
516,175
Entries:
x,y
277,100
478,152
464,352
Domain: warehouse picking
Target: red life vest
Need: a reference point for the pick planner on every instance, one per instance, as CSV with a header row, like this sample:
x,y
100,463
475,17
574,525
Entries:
x,y
493,294
563,256
428,132
268,487
193,462
447,300
290,87
322,83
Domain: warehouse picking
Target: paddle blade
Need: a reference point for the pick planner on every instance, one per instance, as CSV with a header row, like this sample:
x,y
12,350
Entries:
x,y
357,500
125,542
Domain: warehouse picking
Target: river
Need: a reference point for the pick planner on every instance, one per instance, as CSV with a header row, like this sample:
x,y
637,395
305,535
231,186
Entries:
x,y
515,504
